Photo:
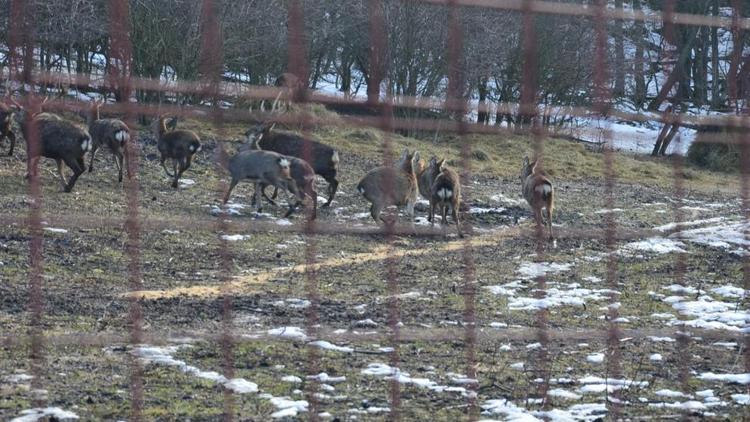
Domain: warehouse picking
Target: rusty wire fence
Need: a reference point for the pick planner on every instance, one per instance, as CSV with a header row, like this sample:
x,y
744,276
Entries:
x,y
119,79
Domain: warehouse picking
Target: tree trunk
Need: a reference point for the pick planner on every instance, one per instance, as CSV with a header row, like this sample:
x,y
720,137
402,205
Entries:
x,y
676,74
619,64
716,99
639,96
483,116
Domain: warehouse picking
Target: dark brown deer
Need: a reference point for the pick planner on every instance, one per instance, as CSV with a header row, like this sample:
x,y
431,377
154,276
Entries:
x,y
323,159
6,122
538,191
56,138
178,145
290,86
112,133
445,193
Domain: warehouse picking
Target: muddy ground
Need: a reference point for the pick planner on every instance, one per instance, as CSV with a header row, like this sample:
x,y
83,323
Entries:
x,y
187,271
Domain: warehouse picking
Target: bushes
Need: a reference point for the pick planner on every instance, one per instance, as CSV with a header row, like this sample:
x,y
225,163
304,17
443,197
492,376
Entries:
x,y
716,149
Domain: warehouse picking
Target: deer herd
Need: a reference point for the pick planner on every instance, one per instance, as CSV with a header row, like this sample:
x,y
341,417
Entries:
x,y
282,160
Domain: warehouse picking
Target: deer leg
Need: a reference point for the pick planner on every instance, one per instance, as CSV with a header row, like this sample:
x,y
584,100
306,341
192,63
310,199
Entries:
x,y
12,137
91,161
118,164
333,186
271,201
431,216
375,210
549,221
164,166
60,173
78,166
256,194
232,184
454,214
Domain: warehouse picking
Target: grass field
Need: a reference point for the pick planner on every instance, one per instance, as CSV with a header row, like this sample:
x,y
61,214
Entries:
x,y
279,365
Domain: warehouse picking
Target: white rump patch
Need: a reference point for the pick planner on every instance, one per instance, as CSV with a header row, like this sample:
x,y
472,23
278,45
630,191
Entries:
x,y
192,148
284,162
122,136
86,144
335,157
444,193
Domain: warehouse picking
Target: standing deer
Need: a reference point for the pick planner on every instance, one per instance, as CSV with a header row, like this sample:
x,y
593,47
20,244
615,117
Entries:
x,y
385,186
445,192
113,133
538,191
6,131
178,145
55,138
290,85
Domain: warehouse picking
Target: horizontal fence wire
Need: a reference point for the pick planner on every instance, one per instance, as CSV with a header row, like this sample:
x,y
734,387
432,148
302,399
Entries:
x,y
229,104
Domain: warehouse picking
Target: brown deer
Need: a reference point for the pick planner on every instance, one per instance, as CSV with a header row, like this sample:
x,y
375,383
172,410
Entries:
x,y
6,121
397,185
56,138
538,191
445,193
178,145
113,133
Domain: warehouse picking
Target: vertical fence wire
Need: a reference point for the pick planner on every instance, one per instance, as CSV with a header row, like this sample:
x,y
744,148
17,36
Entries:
x,y
456,105
120,68
529,121
22,24
211,58
602,100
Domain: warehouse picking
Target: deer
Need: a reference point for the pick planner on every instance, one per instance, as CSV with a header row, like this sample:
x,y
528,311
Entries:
x,y
178,145
290,84
397,185
262,168
444,187
113,133
322,158
304,178
49,135
6,130
538,191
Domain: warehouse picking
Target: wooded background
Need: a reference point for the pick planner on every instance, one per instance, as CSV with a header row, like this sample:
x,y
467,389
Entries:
x,y
691,66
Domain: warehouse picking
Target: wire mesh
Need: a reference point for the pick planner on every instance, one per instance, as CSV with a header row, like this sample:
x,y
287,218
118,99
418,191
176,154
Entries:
x,y
210,86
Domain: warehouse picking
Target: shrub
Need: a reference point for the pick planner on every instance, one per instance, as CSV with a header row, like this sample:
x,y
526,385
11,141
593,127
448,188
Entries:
x,y
716,149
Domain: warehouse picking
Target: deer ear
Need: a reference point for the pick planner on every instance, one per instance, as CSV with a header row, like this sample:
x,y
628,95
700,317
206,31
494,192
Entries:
x,y
415,157
433,161
441,164
405,154
526,160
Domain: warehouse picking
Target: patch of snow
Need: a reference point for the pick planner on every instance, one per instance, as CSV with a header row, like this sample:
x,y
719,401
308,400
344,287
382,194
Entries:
x,y
479,210
671,393
657,245
730,378
234,237
32,415
729,235
330,346
686,405
563,393
386,371
656,357
595,358
295,333
730,291
743,399
683,224
18,378
710,314
55,230
241,386
292,379
529,270
186,182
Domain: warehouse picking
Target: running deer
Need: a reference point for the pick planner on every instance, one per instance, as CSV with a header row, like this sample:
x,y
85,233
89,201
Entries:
x,y
112,133
538,192
178,145
385,186
304,179
262,168
56,138
323,159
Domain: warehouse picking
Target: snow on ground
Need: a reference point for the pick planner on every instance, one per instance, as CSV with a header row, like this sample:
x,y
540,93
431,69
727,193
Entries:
x,y
294,333
55,230
47,413
728,378
512,412
382,370
709,313
658,245
728,235
529,270
164,356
